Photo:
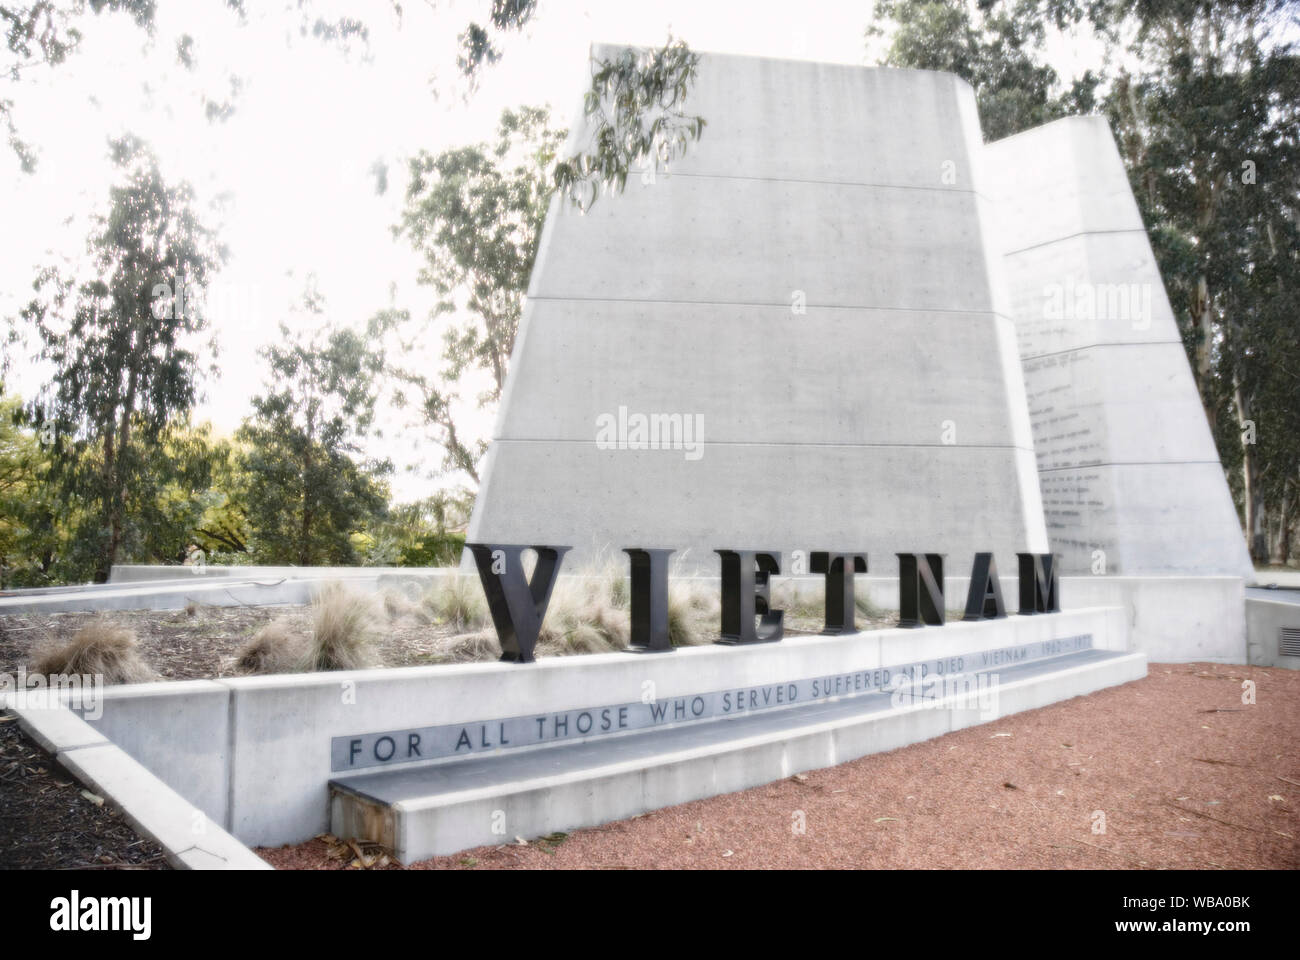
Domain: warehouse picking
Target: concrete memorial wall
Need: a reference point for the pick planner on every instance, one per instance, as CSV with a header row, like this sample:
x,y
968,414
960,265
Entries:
x,y
809,305
1131,480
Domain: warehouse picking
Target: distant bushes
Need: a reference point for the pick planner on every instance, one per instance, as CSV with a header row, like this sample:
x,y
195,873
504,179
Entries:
x,y
434,550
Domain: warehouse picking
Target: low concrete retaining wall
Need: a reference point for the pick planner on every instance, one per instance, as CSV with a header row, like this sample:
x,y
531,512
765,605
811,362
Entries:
x,y
224,589
139,573
190,838
256,754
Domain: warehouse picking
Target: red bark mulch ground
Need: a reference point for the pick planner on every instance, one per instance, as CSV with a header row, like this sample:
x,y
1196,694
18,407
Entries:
x,y
1185,774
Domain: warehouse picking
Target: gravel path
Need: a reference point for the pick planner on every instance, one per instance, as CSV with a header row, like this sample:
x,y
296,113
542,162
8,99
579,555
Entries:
x,y
1186,775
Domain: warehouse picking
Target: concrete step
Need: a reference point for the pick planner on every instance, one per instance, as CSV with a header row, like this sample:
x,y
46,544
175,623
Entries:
x,y
440,808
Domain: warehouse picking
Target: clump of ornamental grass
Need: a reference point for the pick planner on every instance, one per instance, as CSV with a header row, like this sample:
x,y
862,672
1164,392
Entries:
x,y
582,618
469,647
456,601
808,604
100,648
272,649
866,608
345,631
683,620
398,606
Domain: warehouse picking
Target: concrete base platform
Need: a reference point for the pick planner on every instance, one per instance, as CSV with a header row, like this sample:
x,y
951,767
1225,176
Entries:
x,y
439,809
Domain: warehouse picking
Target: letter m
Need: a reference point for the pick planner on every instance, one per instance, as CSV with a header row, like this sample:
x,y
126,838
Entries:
x,y
1039,583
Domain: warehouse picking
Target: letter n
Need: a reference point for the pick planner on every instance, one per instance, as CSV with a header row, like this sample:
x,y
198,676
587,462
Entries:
x,y
920,589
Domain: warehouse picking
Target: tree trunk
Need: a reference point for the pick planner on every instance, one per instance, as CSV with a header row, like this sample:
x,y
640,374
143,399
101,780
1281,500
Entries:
x,y
1203,316
104,561
304,529
1249,475
1285,521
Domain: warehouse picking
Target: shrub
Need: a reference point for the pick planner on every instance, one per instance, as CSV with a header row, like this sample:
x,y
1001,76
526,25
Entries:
x,y
273,649
434,550
345,631
457,601
582,618
470,647
99,649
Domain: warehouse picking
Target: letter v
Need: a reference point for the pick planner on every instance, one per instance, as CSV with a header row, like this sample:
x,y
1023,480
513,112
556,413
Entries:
x,y
517,606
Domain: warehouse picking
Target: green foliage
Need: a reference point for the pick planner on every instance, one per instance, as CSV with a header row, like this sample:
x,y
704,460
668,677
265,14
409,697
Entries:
x,y
29,538
1209,125
45,33
306,495
477,47
124,355
996,47
434,550
426,533
1205,110
635,115
475,214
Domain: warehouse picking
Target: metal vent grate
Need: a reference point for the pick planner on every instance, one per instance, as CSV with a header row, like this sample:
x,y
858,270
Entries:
x,y
1288,642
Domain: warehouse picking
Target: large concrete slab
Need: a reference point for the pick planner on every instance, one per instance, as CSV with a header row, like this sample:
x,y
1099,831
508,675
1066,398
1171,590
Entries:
x,y
814,287
1129,472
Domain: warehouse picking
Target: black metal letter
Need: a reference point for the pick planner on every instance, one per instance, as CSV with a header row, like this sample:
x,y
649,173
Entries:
x,y
839,569
1039,583
649,599
746,594
517,606
917,608
984,599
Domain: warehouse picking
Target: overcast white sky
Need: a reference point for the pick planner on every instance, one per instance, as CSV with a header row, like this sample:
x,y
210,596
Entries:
x,y
308,125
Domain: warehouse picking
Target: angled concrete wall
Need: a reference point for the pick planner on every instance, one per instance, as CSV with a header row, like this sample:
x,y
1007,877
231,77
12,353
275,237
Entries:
x,y
1125,457
888,415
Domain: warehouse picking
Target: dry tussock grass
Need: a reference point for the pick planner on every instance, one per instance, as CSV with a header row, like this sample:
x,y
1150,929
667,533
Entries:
x,y
345,631
273,649
100,648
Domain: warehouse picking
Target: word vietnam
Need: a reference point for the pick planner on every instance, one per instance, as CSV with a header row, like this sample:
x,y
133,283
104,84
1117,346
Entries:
x,y
518,605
